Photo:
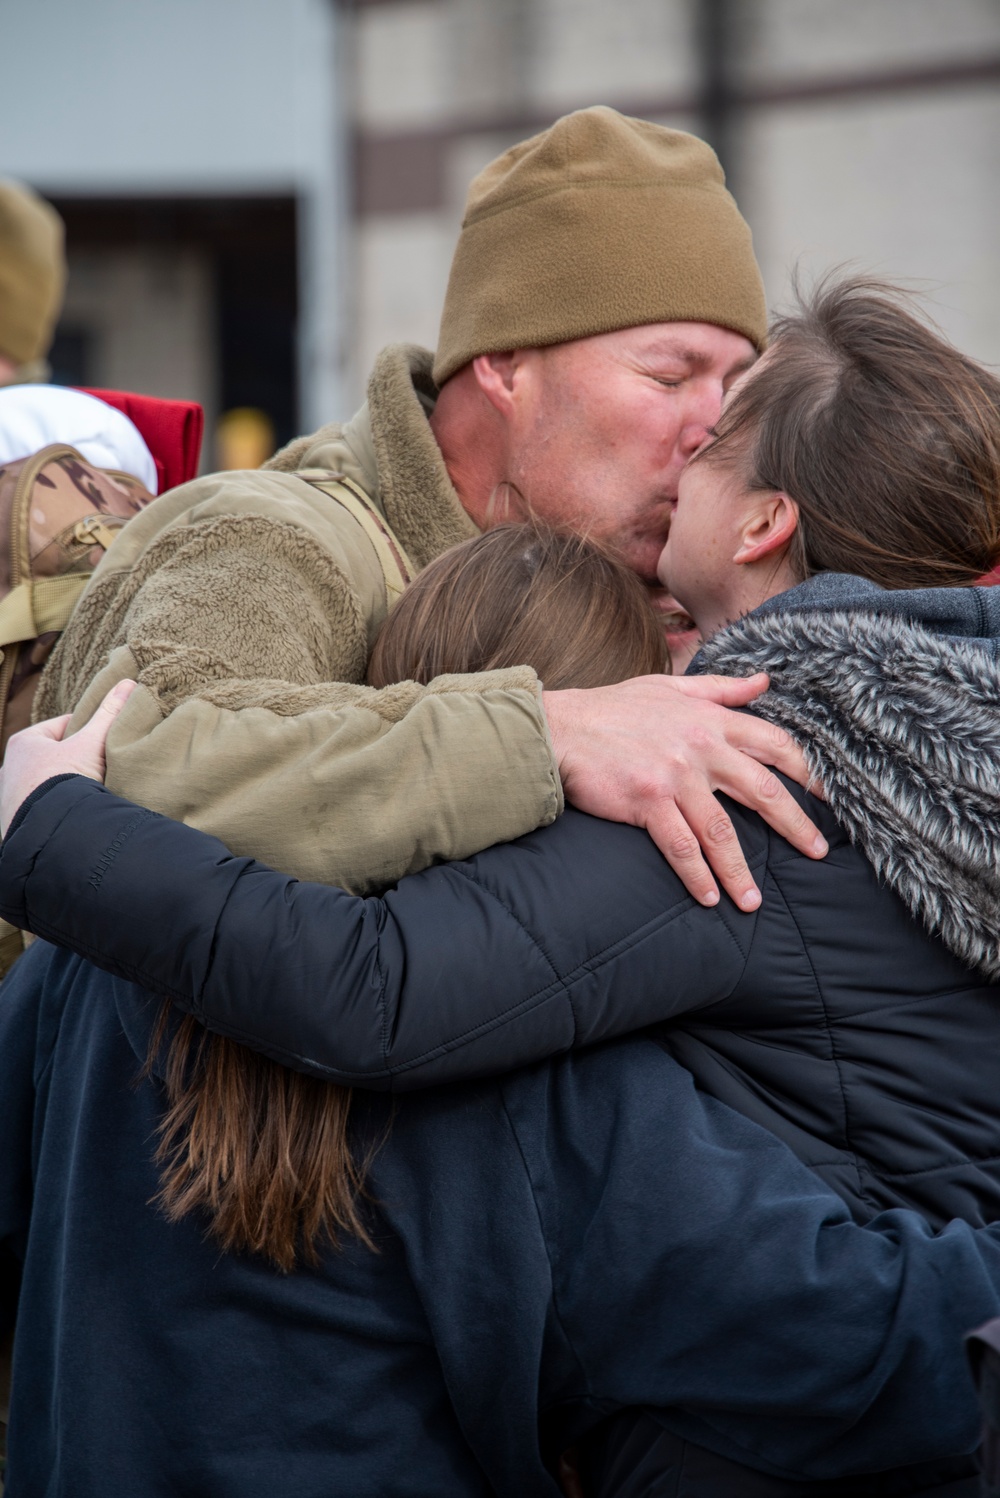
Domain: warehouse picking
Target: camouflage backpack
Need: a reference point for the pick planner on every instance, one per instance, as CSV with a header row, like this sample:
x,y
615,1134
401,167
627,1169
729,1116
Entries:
x,y
58,516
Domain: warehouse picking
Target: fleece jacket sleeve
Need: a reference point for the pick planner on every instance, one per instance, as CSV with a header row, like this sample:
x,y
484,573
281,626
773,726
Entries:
x,y
574,934
249,635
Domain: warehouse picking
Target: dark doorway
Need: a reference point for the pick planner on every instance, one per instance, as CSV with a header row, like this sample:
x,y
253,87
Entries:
x,y
250,247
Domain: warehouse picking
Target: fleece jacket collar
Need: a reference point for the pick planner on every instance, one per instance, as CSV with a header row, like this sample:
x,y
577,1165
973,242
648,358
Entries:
x,y
389,449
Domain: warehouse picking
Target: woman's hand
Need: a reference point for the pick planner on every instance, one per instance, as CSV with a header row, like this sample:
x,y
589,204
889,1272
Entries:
x,y
36,754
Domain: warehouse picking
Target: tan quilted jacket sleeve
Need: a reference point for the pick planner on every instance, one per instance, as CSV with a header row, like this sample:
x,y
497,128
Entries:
x,y
247,620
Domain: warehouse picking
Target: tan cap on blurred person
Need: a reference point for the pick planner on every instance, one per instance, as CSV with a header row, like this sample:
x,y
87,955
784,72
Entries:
x,y
601,222
244,438
32,280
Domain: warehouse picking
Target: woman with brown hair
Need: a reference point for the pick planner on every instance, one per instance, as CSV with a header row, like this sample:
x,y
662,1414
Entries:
x,y
853,1013
518,594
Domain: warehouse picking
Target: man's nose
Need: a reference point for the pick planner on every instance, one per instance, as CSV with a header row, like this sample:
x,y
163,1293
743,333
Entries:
x,y
701,416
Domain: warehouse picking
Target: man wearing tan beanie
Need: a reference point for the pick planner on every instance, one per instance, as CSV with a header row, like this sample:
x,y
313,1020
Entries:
x,y
32,280
603,295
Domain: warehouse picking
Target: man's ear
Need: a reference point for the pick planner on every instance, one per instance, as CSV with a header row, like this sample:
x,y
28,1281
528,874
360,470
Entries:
x,y
496,375
769,527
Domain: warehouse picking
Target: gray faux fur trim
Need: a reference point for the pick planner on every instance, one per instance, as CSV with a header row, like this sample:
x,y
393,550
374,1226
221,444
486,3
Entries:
x,y
903,728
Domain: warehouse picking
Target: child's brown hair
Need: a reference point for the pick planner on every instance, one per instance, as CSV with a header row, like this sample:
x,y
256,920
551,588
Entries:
x,y
264,1151
522,595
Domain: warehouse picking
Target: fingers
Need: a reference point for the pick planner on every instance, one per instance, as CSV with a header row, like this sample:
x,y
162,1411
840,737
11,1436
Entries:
x,y
89,743
771,745
756,787
646,753
699,840
37,754
727,691
111,705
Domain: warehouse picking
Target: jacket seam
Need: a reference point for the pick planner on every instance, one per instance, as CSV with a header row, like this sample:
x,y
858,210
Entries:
x,y
933,1170
590,964
560,986
756,924
46,931
647,928
471,879
686,1017
912,1002
545,1244
197,999
834,1056
587,966
383,1010
983,624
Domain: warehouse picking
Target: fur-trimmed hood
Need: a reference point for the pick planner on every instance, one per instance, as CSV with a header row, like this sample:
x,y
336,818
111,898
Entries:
x,y
895,699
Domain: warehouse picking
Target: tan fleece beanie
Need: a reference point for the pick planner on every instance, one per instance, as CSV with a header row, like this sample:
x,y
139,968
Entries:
x,y
32,273
602,222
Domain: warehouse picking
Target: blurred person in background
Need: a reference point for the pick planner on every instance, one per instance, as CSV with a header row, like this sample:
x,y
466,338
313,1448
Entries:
x,y
32,282
34,414
244,438
603,296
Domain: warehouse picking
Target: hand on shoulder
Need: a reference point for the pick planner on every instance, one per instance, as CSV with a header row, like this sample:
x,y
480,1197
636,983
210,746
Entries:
x,y
38,753
653,751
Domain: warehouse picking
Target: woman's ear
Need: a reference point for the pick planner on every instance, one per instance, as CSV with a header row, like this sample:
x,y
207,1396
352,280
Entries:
x,y
769,526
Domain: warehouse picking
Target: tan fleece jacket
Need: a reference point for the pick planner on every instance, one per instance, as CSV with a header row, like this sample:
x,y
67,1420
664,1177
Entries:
x,y
245,604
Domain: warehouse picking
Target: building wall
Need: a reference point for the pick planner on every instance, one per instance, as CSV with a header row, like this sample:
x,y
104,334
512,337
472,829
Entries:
x,y
855,133
899,179
852,131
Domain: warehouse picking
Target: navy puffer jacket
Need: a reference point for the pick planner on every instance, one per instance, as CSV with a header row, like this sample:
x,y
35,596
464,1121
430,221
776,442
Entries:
x,y
832,1015
855,1014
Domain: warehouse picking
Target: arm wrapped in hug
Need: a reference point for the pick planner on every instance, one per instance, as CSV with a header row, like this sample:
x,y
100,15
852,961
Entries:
x,y
464,970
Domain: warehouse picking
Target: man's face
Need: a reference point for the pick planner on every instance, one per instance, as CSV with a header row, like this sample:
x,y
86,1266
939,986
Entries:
x,y
603,427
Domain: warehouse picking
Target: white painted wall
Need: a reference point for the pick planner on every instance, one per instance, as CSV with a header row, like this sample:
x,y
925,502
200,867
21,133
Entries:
x,y
823,38
905,188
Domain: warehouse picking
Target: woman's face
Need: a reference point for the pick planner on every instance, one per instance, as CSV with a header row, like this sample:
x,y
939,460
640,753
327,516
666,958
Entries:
x,y
728,545
697,563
